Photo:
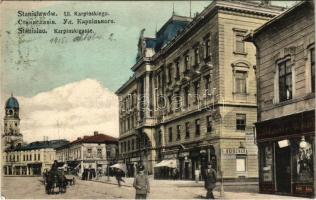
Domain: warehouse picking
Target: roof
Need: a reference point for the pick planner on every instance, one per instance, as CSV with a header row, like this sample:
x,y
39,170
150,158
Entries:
x,y
276,19
40,145
171,29
12,102
98,138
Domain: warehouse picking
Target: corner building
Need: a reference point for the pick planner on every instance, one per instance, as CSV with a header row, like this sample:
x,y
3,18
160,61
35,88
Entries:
x,y
286,102
192,97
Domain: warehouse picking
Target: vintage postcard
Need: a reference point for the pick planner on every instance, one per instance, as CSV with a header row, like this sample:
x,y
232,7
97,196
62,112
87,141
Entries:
x,y
210,99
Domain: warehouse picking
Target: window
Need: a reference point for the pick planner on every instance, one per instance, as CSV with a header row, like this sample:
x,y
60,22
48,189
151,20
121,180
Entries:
x,y
240,164
240,81
209,124
31,157
125,147
239,42
159,137
133,144
197,127
207,48
128,145
196,91
169,73
186,96
312,56
207,86
177,69
170,103
178,104
240,121
170,134
285,80
186,62
108,153
196,55
132,121
178,132
99,153
89,151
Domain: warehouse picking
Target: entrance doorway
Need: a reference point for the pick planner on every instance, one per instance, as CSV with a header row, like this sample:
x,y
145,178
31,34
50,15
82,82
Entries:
x,y
283,169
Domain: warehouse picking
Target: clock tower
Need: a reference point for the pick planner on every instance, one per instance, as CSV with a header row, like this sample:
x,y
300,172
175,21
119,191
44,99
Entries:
x,y
11,136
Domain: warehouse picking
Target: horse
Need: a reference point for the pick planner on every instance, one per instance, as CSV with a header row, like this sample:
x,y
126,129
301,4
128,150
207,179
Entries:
x,y
55,180
62,182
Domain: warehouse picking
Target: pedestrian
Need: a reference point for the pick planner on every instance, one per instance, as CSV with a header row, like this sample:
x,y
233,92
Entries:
x,y
141,184
175,173
210,181
118,176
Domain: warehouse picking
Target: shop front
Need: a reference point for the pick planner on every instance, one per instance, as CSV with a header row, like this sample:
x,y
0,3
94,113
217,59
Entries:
x,y
191,163
286,155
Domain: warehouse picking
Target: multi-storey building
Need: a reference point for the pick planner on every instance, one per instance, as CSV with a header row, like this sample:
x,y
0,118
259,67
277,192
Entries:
x,y
195,92
286,101
30,159
90,152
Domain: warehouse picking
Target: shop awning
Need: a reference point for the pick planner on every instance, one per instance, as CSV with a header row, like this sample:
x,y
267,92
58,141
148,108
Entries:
x,y
119,166
167,163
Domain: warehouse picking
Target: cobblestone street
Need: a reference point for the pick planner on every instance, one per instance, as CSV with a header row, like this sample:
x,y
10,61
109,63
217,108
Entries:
x,y
32,187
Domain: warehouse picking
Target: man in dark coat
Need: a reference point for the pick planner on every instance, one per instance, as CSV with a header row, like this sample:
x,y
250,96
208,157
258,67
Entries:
x,y
141,184
210,181
119,174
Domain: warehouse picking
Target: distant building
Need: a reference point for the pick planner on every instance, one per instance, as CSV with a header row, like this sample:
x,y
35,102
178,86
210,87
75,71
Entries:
x,y
11,135
286,101
95,152
30,159
192,96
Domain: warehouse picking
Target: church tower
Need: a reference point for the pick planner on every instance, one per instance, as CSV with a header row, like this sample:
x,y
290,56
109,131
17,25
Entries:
x,y
12,136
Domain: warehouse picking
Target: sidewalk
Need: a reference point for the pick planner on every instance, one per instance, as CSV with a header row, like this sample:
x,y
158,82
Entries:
x,y
166,183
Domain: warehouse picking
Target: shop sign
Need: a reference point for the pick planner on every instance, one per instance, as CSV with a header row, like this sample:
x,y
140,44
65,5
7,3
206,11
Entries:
x,y
135,159
170,156
230,151
184,154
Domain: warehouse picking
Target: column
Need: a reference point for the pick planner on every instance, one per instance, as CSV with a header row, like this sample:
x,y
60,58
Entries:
x,y
27,170
147,95
20,170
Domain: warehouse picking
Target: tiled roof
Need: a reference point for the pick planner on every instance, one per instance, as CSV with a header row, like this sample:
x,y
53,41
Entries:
x,y
99,138
40,145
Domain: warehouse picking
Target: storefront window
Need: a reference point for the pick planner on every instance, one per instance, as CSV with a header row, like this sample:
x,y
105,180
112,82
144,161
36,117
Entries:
x,y
266,166
303,160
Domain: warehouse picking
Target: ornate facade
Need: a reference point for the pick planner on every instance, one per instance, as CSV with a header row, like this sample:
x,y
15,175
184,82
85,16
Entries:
x,y
192,97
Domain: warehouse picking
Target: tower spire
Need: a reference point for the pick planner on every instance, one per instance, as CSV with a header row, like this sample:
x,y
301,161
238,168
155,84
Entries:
x,y
11,94
173,13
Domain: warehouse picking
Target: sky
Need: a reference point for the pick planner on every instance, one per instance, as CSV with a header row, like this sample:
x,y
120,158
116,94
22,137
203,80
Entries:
x,y
66,90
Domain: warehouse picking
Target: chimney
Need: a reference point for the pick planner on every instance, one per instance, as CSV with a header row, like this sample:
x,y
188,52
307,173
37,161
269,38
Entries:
x,y
95,133
266,2
78,138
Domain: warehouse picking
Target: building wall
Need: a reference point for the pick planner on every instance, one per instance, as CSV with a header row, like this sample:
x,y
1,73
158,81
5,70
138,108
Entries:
x,y
293,36
217,99
12,159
